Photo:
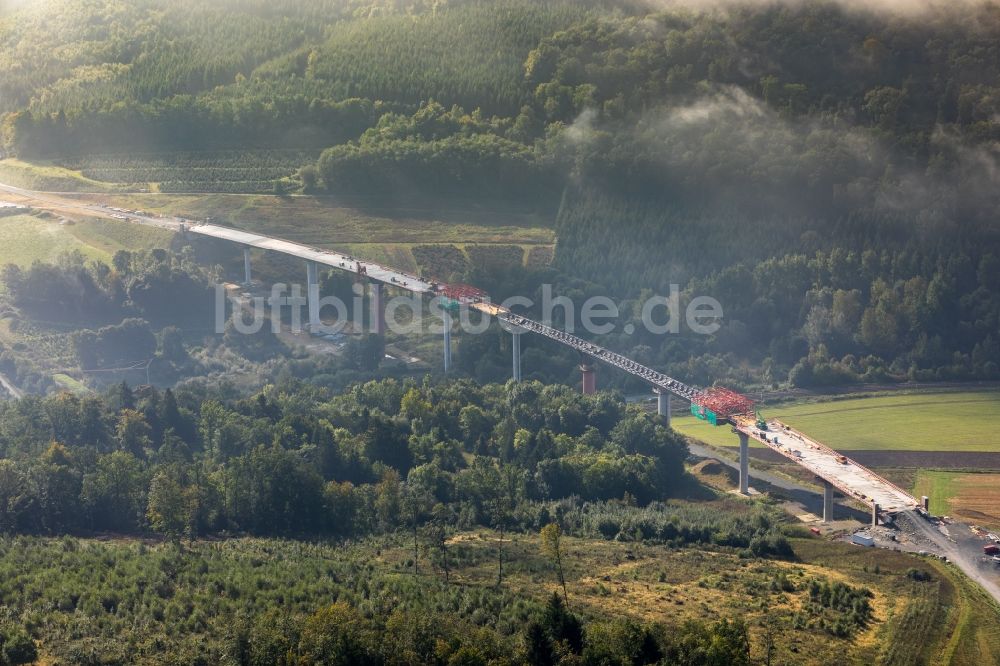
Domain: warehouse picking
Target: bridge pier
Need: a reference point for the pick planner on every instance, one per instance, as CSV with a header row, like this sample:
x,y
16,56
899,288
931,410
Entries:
x,y
744,463
875,510
516,347
447,341
663,404
247,277
588,380
827,501
377,308
312,295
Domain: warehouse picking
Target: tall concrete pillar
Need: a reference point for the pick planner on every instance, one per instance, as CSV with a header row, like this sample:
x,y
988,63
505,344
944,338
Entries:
x,y
875,510
663,404
744,463
588,380
312,294
516,346
247,277
377,309
447,340
827,502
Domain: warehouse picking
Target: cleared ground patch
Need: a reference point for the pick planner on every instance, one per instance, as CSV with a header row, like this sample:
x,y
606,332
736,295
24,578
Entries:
x,y
912,422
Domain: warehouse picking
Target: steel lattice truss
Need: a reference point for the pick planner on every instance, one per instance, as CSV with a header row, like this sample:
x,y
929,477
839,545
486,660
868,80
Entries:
x,y
657,379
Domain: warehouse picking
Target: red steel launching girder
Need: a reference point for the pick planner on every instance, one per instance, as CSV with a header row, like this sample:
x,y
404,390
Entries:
x,y
463,293
725,402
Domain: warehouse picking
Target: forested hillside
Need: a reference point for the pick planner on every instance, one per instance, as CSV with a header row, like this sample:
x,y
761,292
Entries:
x,y
828,173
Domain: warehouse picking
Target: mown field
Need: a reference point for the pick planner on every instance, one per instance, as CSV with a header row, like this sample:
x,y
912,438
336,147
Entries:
x,y
143,601
29,238
914,422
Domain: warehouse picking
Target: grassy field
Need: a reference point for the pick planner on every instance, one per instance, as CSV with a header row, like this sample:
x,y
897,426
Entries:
x,y
67,383
913,422
66,586
389,235
366,227
47,177
972,497
28,238
947,620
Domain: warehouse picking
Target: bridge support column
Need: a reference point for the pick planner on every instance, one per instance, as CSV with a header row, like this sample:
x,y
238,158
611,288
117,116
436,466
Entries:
x,y
588,379
744,463
875,509
516,347
827,502
447,340
663,404
377,309
312,295
247,277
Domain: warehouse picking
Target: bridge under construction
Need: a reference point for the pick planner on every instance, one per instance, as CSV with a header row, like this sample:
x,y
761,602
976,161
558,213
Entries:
x,y
716,405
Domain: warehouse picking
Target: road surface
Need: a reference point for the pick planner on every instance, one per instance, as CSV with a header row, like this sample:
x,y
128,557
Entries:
x,y
965,558
848,476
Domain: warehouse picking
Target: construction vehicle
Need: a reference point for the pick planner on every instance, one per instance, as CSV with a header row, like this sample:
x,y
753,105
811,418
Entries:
x,y
761,423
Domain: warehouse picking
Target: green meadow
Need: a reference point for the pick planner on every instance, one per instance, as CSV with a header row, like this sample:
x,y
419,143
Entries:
x,y
27,238
962,421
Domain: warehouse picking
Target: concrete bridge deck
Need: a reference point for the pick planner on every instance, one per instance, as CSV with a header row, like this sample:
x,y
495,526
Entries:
x,y
849,477
330,258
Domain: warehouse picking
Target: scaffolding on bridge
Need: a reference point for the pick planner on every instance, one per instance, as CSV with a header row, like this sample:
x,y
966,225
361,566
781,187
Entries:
x,y
717,405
